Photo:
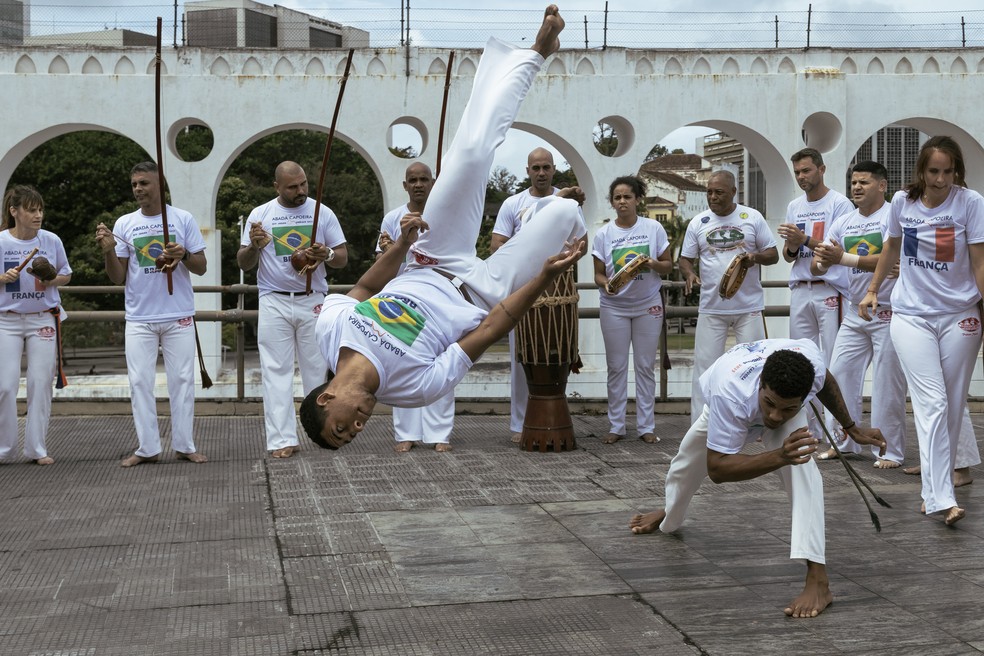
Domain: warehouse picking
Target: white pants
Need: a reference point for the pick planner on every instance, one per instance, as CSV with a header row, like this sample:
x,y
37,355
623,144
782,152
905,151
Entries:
x,y
177,341
642,333
938,356
285,330
814,313
860,343
34,331
456,204
519,392
709,342
431,424
802,483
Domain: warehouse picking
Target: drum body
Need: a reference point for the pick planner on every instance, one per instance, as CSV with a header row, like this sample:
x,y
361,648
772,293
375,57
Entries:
x,y
546,346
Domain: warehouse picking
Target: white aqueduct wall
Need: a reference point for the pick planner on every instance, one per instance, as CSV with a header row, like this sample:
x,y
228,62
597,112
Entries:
x,y
773,101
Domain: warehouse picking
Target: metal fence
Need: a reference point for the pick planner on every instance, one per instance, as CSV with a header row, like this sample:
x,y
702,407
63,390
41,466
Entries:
x,y
402,23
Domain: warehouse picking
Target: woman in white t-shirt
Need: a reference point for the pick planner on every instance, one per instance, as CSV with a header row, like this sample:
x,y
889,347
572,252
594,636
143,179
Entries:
x,y
28,319
937,225
634,314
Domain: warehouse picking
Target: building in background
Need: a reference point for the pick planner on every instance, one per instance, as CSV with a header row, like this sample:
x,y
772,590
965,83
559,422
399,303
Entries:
x,y
895,147
724,152
688,197
14,16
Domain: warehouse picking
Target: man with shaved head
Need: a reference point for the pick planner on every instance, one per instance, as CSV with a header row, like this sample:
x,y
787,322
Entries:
x,y
540,169
288,315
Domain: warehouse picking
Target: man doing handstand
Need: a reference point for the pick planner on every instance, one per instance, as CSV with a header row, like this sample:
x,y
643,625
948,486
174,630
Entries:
x,y
760,390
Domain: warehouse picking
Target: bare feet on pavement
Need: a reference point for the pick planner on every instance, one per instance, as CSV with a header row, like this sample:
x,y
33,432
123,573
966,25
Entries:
x,y
954,515
649,438
403,447
285,452
816,594
47,460
648,522
881,463
517,438
442,447
547,42
194,456
611,438
133,460
961,475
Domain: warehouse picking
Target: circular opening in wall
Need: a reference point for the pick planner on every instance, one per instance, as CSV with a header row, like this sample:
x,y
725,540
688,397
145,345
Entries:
x,y
822,131
407,137
613,136
191,140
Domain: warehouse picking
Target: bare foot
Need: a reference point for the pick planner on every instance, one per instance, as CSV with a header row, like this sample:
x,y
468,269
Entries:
x,y
611,438
442,447
829,454
816,594
134,459
962,477
649,438
285,452
881,463
954,515
194,456
648,522
47,460
922,507
403,447
517,438
547,41
912,471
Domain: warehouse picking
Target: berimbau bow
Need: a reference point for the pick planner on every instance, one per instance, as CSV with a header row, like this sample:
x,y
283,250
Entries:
x,y
160,153
324,161
444,112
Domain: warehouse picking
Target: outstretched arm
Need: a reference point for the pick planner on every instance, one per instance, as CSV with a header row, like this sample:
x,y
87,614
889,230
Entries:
x,y
504,316
796,449
831,398
387,264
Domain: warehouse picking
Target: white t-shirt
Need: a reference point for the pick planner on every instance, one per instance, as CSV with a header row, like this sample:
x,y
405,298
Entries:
x,y
862,235
814,218
616,247
731,387
509,220
27,294
391,226
292,226
716,240
935,275
147,299
408,332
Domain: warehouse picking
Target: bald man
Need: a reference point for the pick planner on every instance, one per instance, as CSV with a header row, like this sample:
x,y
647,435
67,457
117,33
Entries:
x,y
540,169
287,315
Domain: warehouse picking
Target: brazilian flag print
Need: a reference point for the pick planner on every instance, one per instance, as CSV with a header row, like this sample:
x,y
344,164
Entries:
x,y
622,256
870,244
393,316
148,249
287,239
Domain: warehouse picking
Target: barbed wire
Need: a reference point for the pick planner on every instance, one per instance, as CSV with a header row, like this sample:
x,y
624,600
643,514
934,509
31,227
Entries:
x,y
45,24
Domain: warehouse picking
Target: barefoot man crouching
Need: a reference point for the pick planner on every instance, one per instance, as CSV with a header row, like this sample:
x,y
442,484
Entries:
x,y
761,389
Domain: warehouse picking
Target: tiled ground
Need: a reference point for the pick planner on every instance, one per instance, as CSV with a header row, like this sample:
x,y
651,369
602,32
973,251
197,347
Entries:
x,y
483,550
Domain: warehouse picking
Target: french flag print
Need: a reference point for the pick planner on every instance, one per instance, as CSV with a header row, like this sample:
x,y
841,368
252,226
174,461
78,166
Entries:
x,y
931,244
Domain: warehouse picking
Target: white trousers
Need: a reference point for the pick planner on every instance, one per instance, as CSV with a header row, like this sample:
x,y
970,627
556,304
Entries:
x,y
642,333
519,391
34,332
814,313
709,345
431,424
456,204
860,343
285,330
177,341
802,483
938,354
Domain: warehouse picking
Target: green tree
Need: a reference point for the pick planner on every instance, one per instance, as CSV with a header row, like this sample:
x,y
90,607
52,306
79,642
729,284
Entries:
x,y
657,151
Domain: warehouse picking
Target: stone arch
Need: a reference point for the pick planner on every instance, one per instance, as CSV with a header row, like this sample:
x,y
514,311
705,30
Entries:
x,y
252,67
314,67
124,66
876,67
848,66
25,65
340,68
58,66
931,66
375,67
91,66
582,170
980,66
644,67
958,67
759,67
673,67
584,67
787,65
904,67
467,67
731,67
701,67
283,67
556,67
220,67
151,68
971,148
437,67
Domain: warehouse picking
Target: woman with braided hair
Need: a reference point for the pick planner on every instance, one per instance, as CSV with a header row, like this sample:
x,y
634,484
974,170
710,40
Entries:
x,y
34,266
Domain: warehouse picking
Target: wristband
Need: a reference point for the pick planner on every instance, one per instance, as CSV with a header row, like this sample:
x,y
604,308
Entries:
x,y
331,255
850,259
185,256
847,428
791,253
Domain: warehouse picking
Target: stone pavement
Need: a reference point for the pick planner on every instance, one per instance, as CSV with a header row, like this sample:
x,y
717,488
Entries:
x,y
483,550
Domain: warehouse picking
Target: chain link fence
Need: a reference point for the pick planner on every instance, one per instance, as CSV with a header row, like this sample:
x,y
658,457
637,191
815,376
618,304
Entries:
x,y
63,23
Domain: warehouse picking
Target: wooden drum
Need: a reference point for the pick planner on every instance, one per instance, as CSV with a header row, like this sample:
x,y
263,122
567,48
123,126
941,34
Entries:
x,y
546,346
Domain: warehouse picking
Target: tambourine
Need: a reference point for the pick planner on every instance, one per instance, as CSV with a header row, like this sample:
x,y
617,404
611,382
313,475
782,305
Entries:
x,y
627,273
733,276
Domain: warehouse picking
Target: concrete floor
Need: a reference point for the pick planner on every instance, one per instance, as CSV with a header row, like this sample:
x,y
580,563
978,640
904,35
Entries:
x,y
483,550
